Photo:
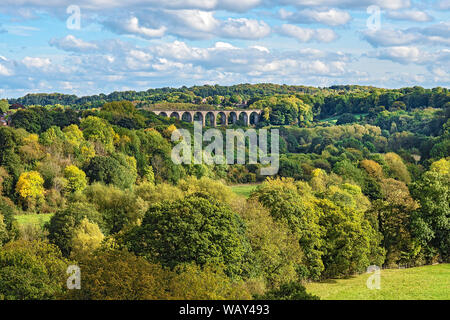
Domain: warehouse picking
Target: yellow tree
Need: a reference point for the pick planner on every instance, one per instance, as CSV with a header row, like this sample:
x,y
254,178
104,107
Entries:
x,y
87,238
30,185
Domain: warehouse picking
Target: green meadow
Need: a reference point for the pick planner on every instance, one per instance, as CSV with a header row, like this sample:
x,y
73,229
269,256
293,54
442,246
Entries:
x,y
420,283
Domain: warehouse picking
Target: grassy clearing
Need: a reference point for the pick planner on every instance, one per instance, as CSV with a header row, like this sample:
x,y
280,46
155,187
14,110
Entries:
x,y
334,119
421,283
33,219
244,189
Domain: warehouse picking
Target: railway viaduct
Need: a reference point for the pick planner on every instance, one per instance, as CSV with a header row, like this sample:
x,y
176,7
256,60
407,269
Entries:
x,y
224,117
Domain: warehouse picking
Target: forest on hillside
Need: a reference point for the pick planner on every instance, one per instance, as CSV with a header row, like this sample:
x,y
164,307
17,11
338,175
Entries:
x,y
364,180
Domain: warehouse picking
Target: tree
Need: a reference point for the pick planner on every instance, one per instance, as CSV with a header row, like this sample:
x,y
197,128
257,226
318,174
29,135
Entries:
x,y
109,274
276,250
396,167
196,229
118,208
110,170
346,118
215,189
4,235
288,291
31,270
397,105
292,205
346,242
394,212
64,223
30,185
87,237
372,168
33,120
98,130
210,282
4,105
431,221
76,178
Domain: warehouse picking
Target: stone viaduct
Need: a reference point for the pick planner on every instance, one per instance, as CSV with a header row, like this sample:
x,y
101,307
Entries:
x,y
225,117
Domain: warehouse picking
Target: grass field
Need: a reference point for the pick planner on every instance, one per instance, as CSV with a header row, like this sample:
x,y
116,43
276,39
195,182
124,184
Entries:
x,y
333,120
421,283
34,219
244,189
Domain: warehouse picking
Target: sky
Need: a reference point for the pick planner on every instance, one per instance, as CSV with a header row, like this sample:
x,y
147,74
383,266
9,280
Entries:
x,y
100,46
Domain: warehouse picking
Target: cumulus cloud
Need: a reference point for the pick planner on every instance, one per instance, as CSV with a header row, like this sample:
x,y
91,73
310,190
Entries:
x,y
128,65
244,28
175,57
307,35
191,24
437,34
401,54
229,5
197,20
434,61
330,17
4,71
387,4
410,15
34,62
133,27
71,43
99,5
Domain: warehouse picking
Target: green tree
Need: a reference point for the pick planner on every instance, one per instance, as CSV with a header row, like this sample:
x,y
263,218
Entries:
x,y
288,291
432,220
119,275
64,223
294,207
393,213
4,105
76,178
111,170
346,118
196,229
118,208
276,250
209,282
31,270
98,130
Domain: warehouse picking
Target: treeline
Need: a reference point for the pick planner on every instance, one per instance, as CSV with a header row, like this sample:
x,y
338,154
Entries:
x,y
325,102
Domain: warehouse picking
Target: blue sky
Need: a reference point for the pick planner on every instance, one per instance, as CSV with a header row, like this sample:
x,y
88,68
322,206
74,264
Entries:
x,y
141,44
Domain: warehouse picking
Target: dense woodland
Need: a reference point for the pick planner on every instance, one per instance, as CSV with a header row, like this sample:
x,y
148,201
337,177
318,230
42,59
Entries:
x,y
364,180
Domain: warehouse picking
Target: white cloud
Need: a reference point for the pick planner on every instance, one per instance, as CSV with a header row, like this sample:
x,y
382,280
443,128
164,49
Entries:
x,y
401,54
307,35
331,17
131,26
4,71
437,34
244,28
197,20
32,62
71,43
192,24
410,15
261,48
387,4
